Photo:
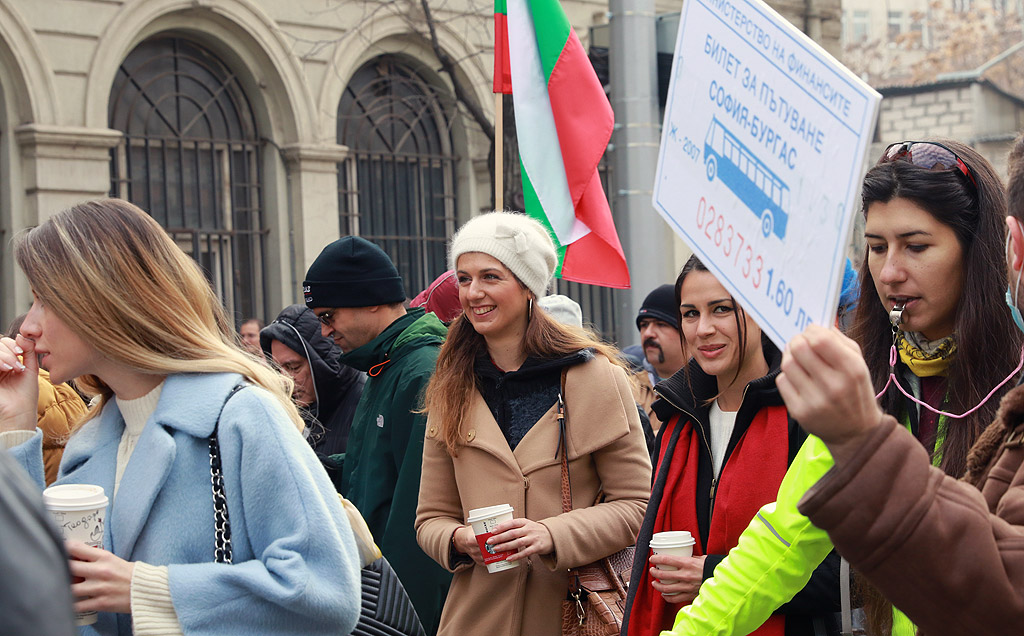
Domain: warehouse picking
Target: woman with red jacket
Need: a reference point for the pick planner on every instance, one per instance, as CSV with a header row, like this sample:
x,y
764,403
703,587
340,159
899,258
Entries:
x,y
721,455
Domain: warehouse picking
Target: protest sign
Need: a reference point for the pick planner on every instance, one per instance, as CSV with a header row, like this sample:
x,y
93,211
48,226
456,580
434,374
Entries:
x,y
762,149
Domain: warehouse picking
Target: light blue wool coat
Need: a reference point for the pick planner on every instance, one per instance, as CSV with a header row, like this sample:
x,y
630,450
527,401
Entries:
x,y
295,567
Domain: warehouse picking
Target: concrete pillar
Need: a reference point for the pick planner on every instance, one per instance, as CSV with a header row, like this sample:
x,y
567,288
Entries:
x,y
60,166
646,238
313,209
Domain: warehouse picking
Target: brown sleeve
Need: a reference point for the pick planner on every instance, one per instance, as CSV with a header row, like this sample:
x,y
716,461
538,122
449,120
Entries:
x,y
927,541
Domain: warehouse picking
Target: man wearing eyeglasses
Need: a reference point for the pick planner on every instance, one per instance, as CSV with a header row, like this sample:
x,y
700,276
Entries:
x,y
326,391
358,295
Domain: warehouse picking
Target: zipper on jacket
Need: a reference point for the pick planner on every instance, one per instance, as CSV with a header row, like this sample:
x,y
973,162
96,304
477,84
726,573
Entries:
x,y
715,479
707,443
693,417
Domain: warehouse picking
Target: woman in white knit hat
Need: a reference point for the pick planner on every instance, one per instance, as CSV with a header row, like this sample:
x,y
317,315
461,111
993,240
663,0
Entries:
x,y
493,436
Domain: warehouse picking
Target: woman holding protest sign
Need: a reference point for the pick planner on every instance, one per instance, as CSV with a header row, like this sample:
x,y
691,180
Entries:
x,y
940,346
722,453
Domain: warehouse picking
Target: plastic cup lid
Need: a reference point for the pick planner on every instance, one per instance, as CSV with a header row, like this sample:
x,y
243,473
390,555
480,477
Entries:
x,y
672,539
490,511
74,497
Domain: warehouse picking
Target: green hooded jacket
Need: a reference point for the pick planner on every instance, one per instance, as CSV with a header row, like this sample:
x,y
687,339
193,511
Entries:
x,y
381,472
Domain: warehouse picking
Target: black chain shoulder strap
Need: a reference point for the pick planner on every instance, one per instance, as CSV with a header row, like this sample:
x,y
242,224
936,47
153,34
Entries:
x,y
222,527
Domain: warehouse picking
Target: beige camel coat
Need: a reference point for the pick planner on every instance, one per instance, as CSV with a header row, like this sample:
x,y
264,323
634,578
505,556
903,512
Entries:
x,y
606,450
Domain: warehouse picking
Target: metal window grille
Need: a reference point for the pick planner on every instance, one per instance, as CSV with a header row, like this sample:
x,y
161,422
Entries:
x,y
190,157
397,188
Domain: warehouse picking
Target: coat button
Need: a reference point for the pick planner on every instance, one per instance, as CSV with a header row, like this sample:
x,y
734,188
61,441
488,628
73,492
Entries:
x,y
471,435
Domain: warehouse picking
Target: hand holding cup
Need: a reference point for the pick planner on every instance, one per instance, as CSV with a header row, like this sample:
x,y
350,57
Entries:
x,y
523,537
464,540
682,582
484,523
103,580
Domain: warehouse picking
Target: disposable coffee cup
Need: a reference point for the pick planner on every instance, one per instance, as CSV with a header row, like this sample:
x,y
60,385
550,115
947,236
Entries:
x,y
79,511
675,542
484,520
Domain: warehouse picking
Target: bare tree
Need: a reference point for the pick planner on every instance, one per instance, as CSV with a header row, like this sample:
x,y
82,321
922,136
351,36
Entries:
x,y
944,38
473,21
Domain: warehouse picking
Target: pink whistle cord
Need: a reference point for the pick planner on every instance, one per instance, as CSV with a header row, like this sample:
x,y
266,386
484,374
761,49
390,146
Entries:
x,y
892,380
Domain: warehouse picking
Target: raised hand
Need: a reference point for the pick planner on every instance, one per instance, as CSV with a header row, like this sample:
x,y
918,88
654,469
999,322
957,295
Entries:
x,y
19,384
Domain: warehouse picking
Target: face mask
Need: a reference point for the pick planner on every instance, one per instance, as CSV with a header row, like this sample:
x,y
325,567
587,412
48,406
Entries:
x,y
1011,298
1012,304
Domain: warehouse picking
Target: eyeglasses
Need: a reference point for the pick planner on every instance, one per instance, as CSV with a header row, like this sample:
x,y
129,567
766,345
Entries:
x,y
929,155
326,317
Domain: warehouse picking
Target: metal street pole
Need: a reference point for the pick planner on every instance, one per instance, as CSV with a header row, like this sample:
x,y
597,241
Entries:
x,y
646,238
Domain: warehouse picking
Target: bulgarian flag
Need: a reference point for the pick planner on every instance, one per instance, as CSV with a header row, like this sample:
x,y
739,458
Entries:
x,y
564,123
502,69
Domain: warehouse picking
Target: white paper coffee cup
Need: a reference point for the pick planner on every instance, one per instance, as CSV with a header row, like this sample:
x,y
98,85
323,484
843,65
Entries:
x,y
484,520
675,542
80,512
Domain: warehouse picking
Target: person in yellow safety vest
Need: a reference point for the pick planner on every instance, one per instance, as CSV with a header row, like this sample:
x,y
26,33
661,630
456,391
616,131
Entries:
x,y
934,230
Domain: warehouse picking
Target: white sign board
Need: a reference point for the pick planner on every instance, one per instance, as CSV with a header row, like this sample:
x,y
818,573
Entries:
x,y
764,139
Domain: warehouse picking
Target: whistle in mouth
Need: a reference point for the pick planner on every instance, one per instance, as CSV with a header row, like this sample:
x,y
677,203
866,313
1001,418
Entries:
x,y
896,316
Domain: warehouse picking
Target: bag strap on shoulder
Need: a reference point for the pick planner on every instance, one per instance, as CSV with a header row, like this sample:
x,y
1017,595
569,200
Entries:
x,y
222,526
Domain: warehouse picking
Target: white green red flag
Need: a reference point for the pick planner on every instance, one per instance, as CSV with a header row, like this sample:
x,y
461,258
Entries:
x,y
502,70
564,123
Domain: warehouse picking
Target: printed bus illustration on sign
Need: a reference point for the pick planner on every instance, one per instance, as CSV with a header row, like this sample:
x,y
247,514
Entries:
x,y
757,187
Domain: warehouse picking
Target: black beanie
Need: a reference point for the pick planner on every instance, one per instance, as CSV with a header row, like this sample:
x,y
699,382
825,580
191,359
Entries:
x,y
660,304
352,272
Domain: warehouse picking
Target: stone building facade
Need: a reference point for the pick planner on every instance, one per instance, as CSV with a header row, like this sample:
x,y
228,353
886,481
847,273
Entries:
x,y
257,131
974,111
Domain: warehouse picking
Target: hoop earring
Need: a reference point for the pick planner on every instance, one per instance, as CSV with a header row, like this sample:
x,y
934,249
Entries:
x,y
529,309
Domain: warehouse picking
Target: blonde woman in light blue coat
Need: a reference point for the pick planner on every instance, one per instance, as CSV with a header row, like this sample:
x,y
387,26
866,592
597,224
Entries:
x,y
120,307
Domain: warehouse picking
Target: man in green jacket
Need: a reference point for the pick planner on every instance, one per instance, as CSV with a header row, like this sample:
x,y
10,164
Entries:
x,y
358,295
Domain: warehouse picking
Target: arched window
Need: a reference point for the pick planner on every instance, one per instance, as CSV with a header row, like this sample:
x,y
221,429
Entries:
x,y
397,188
191,158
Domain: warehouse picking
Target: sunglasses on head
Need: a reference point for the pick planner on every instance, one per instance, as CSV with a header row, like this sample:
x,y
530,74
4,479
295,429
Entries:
x,y
929,155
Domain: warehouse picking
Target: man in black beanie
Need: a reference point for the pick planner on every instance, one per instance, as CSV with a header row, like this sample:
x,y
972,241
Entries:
x,y
658,322
358,295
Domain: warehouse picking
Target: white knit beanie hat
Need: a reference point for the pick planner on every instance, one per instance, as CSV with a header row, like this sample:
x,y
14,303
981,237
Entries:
x,y
519,242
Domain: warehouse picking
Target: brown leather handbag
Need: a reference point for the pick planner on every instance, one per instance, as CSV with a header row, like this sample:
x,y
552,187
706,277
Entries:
x,y
597,591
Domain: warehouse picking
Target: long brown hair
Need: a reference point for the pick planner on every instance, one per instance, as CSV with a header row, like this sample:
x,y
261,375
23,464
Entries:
x,y
114,277
988,344
694,264
451,387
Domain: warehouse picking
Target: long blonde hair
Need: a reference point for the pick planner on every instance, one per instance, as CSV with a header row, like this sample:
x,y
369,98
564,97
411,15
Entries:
x,y
114,277
451,387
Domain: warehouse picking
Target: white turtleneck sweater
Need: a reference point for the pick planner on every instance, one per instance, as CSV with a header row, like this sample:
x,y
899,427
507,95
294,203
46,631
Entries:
x,y
152,609
135,413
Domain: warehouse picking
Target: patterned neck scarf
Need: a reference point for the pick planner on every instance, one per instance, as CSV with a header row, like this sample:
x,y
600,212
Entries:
x,y
926,358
